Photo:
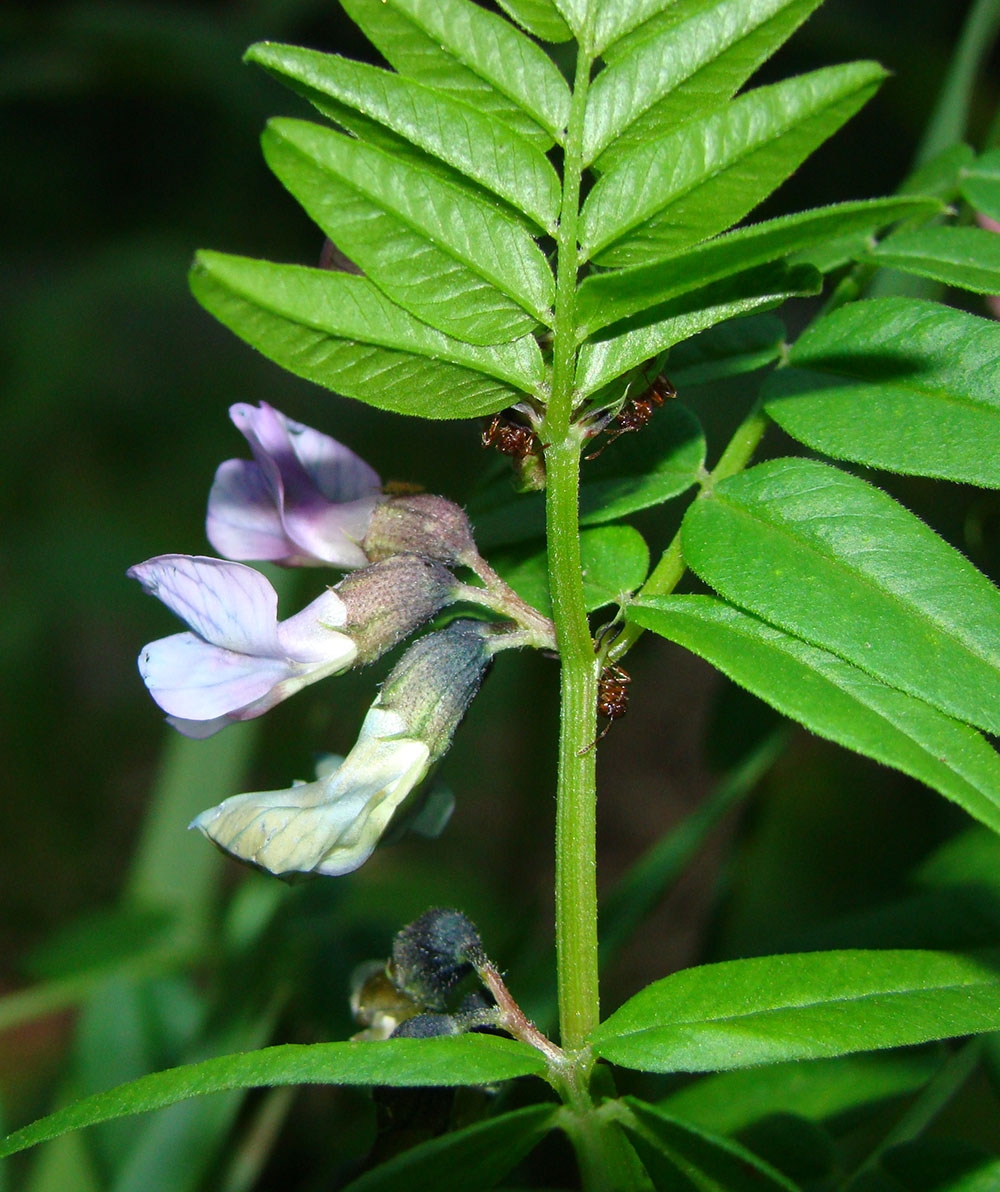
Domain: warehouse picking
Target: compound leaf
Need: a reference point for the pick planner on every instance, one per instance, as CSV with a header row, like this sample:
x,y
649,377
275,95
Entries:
x,y
709,173
605,298
965,257
683,72
834,698
474,55
444,1060
800,1006
840,564
342,332
475,144
451,260
898,383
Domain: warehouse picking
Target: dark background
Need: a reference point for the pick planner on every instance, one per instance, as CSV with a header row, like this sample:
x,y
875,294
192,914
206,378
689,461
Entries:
x,y
128,137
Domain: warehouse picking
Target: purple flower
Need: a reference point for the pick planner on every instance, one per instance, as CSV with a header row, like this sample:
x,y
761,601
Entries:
x,y
237,660
304,499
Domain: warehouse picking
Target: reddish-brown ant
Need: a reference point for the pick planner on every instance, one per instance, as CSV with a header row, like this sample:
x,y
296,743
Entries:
x,y
510,438
637,411
612,698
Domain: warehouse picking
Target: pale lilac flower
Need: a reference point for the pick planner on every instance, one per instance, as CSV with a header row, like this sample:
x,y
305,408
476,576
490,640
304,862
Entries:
x,y
304,499
237,660
331,826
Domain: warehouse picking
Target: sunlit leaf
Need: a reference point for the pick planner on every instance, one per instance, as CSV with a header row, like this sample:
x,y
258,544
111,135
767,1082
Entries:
x,y
834,698
709,173
474,55
682,73
605,298
477,145
899,383
540,17
838,563
456,263
965,257
628,344
340,331
801,1006
444,1060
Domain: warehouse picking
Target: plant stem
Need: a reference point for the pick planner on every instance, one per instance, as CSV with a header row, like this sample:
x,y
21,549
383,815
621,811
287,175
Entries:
x,y
669,571
576,891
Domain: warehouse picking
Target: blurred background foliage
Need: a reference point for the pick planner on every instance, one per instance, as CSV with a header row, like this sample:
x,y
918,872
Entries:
x,y
128,132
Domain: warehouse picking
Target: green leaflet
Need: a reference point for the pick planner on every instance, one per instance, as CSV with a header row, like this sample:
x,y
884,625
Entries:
x,y
980,184
615,563
635,472
838,563
682,73
540,17
340,331
816,1089
898,383
605,298
708,174
476,1156
800,1006
457,47
577,14
727,350
965,257
677,1153
646,335
444,1060
657,16
477,145
613,21
454,262
835,699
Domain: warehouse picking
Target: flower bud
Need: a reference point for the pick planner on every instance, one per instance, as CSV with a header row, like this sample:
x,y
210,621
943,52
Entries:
x,y
420,524
432,685
432,954
388,600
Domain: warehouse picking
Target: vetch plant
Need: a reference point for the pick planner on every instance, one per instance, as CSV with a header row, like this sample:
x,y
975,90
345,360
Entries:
x,y
559,257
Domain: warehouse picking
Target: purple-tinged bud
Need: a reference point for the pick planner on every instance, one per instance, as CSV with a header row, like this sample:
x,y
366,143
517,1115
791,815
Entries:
x,y
387,601
420,524
432,685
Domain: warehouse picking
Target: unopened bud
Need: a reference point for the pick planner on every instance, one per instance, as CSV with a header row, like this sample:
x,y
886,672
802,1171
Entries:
x,y
434,682
420,524
426,1026
387,601
432,954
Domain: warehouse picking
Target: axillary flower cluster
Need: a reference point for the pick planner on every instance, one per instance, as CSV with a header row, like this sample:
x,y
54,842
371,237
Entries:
x,y
305,500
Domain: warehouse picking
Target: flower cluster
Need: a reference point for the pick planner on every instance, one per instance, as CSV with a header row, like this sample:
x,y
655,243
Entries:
x,y
306,500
